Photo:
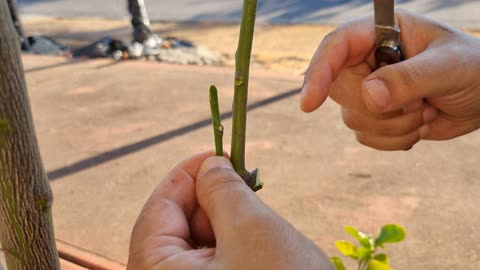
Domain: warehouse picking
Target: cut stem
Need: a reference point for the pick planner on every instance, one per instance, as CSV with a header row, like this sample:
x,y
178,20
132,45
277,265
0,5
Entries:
x,y
242,70
217,125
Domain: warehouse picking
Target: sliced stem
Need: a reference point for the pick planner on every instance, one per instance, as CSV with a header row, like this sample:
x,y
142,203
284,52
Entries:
x,y
217,125
242,70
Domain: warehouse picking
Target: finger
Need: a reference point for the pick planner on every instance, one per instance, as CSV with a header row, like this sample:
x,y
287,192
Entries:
x,y
414,106
348,45
177,189
228,202
346,89
444,128
425,75
192,165
184,260
389,143
201,229
188,260
164,220
353,43
396,126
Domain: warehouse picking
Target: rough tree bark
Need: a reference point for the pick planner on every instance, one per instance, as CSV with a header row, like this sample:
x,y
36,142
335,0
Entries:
x,y
26,231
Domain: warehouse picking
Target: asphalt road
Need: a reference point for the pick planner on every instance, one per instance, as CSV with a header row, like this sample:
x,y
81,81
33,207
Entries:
x,y
461,13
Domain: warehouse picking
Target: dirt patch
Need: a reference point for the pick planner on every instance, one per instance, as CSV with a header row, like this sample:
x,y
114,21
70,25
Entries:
x,y
280,48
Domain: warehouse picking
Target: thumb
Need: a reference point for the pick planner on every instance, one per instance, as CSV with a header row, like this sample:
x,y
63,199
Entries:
x,y
395,86
225,197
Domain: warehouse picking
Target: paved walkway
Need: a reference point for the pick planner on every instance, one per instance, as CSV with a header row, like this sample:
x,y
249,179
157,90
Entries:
x,y
461,13
109,132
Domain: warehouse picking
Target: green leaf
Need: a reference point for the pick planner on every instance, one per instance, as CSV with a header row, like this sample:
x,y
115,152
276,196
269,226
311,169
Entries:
x,y
391,233
348,249
364,253
382,258
352,231
378,265
364,239
337,262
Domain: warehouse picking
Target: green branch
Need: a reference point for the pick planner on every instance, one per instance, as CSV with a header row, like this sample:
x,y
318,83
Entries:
x,y
217,125
239,126
242,70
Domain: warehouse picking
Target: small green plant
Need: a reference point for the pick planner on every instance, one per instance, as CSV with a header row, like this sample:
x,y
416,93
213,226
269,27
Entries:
x,y
366,255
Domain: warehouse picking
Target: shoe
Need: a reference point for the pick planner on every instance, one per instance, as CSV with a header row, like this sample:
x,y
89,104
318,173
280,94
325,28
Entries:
x,y
150,46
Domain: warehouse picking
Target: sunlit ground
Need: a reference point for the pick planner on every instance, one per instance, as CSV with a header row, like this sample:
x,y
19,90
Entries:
x,y
279,48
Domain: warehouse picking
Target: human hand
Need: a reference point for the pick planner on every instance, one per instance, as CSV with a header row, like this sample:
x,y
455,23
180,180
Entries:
x,y
433,95
203,202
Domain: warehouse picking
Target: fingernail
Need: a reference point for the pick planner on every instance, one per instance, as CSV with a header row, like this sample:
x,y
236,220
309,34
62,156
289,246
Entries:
x,y
423,131
378,92
429,114
214,163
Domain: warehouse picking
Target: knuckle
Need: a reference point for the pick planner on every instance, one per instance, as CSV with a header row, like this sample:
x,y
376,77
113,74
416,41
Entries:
x,y
385,128
404,143
415,122
219,175
331,36
150,209
405,146
389,130
403,126
393,144
349,24
218,179
332,39
366,141
404,76
349,120
455,55
362,138
412,139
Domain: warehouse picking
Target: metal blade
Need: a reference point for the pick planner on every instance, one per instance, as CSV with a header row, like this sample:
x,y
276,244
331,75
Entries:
x,y
385,29
384,12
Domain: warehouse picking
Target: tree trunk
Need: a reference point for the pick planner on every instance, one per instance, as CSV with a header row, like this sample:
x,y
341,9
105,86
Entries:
x,y
26,231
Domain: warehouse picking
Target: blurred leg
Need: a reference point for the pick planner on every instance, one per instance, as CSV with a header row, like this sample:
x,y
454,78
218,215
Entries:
x,y
145,42
140,21
12,5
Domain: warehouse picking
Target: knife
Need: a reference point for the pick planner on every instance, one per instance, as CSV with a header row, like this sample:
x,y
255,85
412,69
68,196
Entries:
x,y
387,34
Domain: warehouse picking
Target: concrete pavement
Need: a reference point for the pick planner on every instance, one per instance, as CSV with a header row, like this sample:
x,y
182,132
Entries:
x,y
109,132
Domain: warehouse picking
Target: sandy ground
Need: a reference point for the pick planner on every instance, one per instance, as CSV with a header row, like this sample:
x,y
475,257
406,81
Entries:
x,y
279,48
109,132
283,49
